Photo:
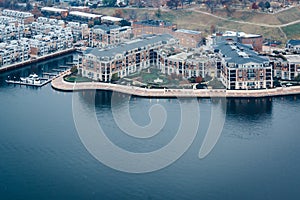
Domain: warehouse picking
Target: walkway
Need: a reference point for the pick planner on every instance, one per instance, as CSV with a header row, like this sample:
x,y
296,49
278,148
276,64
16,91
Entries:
x,y
60,84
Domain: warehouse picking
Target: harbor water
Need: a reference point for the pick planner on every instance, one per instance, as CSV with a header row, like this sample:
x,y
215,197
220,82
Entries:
x,y
42,157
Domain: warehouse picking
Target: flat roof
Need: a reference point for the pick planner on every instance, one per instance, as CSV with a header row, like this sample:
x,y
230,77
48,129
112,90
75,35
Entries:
x,y
52,9
240,34
110,18
293,58
84,14
239,53
188,31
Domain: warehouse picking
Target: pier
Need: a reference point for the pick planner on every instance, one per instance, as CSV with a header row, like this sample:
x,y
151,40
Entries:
x,y
45,81
62,85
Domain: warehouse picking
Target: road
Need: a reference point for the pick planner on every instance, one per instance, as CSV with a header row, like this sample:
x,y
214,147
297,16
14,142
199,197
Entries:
x,y
243,22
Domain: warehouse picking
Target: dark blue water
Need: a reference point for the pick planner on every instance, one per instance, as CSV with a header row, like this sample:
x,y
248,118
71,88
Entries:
x,y
42,157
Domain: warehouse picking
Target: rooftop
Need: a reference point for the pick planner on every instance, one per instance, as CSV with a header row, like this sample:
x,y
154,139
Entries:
x,y
121,49
293,58
110,18
239,53
294,42
188,31
154,23
84,14
52,9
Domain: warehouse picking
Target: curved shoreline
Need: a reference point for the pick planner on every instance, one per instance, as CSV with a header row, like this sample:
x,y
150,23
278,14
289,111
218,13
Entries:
x,y
59,84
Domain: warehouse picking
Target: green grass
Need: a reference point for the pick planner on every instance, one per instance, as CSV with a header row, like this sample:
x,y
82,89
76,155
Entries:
x,y
201,22
78,79
292,31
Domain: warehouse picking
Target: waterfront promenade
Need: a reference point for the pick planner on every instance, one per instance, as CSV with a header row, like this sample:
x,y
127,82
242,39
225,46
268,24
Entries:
x,y
38,59
59,84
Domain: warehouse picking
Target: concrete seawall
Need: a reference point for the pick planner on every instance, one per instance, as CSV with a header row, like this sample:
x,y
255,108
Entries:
x,y
31,61
62,85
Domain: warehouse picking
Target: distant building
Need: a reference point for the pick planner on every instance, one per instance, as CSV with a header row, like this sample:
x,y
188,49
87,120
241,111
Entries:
x,y
188,38
83,17
256,41
54,12
243,68
110,20
125,59
152,27
105,35
293,46
21,17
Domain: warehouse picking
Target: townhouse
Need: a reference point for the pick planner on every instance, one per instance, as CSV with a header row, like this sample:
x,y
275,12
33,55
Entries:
x,y
14,51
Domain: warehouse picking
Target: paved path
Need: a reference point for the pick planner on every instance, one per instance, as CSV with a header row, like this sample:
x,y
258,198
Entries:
x,y
60,84
243,22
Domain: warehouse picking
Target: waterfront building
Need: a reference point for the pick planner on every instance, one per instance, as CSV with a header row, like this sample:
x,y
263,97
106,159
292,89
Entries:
x,y
292,67
124,59
242,67
187,64
14,51
105,35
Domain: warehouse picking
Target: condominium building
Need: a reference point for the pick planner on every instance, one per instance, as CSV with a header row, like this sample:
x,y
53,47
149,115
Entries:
x,y
243,68
292,67
127,58
186,64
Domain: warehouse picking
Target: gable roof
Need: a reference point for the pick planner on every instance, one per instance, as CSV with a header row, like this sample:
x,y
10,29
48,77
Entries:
x,y
122,48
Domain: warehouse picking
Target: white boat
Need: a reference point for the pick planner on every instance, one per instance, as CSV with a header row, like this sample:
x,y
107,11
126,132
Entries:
x,y
32,79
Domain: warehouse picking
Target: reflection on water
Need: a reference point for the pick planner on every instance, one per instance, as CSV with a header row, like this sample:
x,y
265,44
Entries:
x,y
38,68
257,156
249,107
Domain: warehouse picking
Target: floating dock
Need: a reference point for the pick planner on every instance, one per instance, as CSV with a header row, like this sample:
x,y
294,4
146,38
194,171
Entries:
x,y
45,81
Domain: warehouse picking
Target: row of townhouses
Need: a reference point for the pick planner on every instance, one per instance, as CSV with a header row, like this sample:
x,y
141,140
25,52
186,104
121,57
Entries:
x,y
14,51
20,42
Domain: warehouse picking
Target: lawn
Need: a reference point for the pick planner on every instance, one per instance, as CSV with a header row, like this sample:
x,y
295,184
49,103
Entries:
x,y
292,31
202,22
73,78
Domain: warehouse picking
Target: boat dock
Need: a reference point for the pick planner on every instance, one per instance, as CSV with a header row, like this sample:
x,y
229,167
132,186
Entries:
x,y
51,76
